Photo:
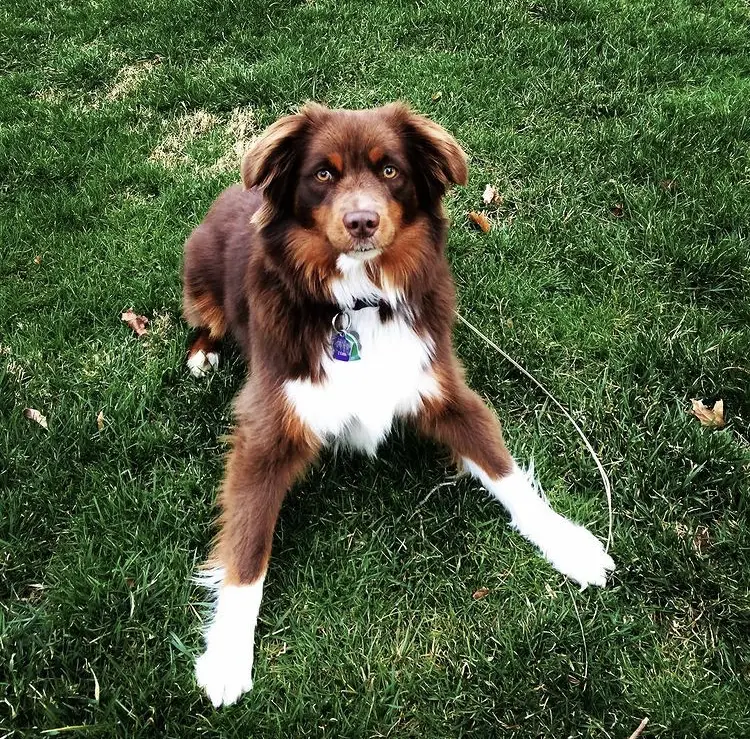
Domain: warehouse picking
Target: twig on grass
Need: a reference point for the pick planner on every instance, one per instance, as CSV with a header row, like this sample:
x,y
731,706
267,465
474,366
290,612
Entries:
x,y
583,634
563,410
640,729
419,505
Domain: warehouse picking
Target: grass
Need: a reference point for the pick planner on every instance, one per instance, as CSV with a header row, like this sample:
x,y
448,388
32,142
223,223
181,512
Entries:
x,y
121,121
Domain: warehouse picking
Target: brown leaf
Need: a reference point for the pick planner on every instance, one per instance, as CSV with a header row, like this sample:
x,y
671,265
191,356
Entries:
x,y
34,415
617,210
136,322
491,195
710,417
38,259
480,219
481,593
100,420
130,582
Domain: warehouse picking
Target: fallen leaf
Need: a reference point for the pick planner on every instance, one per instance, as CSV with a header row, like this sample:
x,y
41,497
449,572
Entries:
x,y
617,210
480,219
34,415
437,96
712,417
100,420
481,593
38,259
130,582
491,195
136,322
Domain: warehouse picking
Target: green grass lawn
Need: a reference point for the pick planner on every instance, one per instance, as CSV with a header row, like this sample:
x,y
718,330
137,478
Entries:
x,y
617,271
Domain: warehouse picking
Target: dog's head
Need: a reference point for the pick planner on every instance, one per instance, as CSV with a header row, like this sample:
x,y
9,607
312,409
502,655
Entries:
x,y
361,183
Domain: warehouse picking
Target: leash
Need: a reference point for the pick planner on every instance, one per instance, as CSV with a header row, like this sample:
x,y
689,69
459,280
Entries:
x,y
562,409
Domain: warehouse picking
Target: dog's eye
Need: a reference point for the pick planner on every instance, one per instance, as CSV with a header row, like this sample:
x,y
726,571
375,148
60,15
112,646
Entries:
x,y
323,175
389,171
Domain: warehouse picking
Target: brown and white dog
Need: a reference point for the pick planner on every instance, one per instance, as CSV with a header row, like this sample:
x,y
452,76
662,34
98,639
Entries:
x,y
328,268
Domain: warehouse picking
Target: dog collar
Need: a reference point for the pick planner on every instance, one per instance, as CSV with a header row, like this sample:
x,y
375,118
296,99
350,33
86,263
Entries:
x,y
345,344
359,304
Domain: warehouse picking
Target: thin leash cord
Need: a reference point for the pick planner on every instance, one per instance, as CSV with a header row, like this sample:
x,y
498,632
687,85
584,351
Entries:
x,y
562,409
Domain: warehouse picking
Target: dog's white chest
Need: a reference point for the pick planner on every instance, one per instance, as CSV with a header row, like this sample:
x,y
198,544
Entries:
x,y
358,401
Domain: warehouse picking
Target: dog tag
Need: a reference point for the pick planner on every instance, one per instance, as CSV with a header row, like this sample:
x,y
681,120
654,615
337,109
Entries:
x,y
346,347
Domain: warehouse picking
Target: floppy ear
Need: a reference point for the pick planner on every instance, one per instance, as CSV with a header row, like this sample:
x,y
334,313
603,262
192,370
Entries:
x,y
437,158
272,162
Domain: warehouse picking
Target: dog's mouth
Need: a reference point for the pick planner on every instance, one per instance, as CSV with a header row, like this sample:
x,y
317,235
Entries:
x,y
365,249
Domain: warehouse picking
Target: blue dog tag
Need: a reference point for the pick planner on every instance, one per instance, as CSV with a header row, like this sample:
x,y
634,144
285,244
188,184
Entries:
x,y
346,347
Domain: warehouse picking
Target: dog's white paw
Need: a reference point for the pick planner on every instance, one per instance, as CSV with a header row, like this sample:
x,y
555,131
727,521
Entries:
x,y
201,363
224,671
573,550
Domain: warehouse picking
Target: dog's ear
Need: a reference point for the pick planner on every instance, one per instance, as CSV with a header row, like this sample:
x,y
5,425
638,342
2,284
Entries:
x,y
273,160
437,158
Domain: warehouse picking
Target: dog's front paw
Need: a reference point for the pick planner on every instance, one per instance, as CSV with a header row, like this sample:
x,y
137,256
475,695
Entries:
x,y
200,363
225,672
573,550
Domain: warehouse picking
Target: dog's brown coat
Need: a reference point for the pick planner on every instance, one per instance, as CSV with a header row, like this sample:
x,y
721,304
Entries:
x,y
260,267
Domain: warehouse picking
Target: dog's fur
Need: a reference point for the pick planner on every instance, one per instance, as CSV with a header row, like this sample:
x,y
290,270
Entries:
x,y
340,213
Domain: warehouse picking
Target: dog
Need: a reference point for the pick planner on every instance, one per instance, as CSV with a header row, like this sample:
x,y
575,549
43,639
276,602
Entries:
x,y
327,266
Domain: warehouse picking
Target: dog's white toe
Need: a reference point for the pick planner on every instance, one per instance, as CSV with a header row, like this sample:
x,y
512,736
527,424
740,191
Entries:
x,y
201,363
225,673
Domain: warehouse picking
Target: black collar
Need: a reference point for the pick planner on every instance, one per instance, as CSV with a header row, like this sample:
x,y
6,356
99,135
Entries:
x,y
359,304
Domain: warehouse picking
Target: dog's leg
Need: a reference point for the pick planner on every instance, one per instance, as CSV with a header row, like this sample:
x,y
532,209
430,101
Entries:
x,y
203,355
270,450
202,309
463,422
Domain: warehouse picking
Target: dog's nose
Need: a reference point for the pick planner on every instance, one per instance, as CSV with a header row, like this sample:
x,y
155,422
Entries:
x,y
362,224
